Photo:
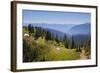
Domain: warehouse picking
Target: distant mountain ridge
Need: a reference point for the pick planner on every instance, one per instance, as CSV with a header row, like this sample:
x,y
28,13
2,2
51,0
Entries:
x,y
59,27
83,29
69,29
79,32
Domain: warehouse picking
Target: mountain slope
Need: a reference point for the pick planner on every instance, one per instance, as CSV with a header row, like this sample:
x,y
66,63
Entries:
x,y
82,29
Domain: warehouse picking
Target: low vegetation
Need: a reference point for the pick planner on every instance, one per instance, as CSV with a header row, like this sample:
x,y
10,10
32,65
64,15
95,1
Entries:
x,y
42,45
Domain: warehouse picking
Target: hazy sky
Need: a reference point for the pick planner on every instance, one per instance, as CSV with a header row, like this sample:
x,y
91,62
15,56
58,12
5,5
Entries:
x,y
33,16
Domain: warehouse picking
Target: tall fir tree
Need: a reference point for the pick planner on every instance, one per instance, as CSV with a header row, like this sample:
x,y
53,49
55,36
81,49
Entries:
x,y
72,43
65,41
30,27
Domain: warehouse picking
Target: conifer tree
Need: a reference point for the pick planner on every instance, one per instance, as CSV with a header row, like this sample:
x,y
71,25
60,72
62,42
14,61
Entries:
x,y
72,43
30,28
65,41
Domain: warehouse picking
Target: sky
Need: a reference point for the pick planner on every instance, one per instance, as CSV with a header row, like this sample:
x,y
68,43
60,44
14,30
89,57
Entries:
x,y
55,17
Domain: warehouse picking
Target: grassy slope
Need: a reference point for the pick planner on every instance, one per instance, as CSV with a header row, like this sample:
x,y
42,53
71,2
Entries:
x,y
49,51
62,54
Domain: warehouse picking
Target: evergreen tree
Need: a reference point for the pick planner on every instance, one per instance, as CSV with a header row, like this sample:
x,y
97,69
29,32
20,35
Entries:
x,y
30,28
48,35
65,41
57,39
72,43
37,33
88,45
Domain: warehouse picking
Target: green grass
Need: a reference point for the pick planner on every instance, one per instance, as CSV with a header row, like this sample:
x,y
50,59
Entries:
x,y
63,54
42,50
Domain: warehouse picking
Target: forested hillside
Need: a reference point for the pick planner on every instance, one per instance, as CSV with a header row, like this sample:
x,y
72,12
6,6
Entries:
x,y
46,44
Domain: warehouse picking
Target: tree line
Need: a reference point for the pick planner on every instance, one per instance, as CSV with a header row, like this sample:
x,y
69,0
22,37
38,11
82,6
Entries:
x,y
37,32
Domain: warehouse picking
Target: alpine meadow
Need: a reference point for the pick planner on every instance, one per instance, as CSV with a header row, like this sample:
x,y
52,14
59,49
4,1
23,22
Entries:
x,y
56,36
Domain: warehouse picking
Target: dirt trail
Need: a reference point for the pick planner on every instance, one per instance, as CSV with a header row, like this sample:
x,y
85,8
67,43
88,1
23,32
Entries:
x,y
82,55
